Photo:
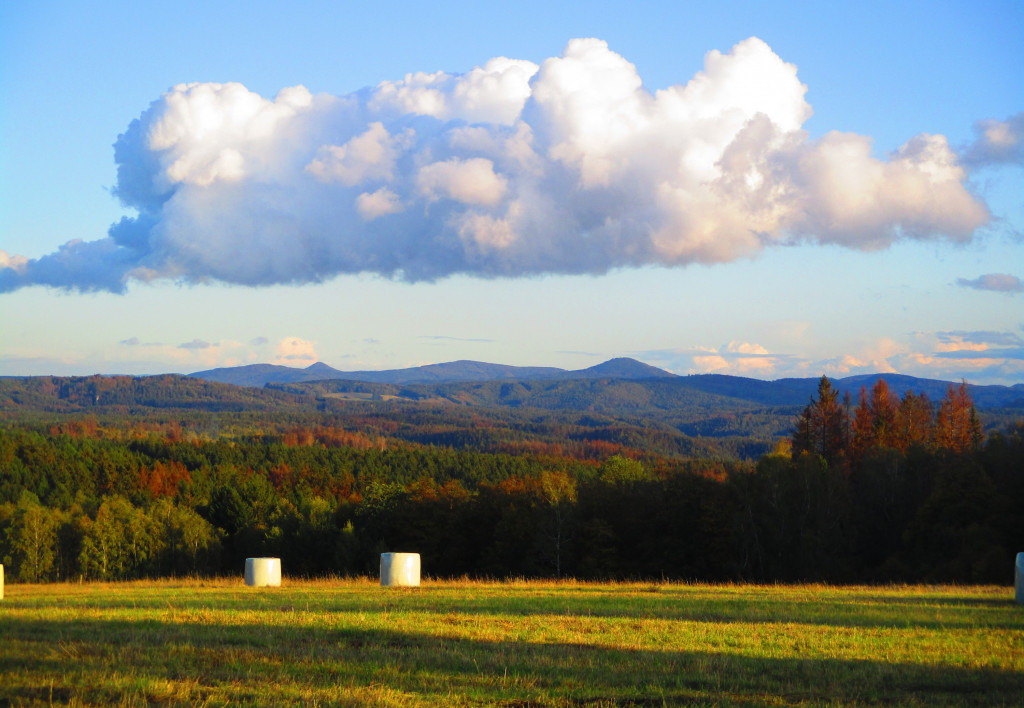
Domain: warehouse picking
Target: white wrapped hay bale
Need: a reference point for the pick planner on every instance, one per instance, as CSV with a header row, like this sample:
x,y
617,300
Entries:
x,y
1018,579
263,572
400,570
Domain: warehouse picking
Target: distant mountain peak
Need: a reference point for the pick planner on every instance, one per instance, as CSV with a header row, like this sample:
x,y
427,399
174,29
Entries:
x,y
319,367
622,368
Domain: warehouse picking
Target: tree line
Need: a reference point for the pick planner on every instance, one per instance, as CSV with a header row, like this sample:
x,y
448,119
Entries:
x,y
885,490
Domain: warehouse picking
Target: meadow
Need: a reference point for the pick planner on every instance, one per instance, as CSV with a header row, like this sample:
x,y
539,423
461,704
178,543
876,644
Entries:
x,y
349,642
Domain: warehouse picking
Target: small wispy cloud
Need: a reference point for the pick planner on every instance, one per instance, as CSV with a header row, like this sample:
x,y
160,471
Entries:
x,y
996,282
979,338
595,355
988,355
446,338
997,142
195,344
980,346
136,342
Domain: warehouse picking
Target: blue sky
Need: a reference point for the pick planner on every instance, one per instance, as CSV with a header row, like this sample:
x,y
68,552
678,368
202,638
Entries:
x,y
535,184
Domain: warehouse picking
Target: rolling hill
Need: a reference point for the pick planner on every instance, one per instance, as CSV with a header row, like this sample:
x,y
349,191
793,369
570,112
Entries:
x,y
477,405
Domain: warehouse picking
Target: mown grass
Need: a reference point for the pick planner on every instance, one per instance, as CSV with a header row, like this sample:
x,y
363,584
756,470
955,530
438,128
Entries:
x,y
352,643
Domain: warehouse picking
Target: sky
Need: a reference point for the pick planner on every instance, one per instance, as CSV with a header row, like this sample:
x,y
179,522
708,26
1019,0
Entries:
x,y
760,189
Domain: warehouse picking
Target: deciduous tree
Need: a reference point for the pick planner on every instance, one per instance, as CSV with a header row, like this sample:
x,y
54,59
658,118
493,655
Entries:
x,y
32,540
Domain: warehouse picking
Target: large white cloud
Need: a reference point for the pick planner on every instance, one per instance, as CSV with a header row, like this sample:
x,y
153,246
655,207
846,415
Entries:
x,y
511,169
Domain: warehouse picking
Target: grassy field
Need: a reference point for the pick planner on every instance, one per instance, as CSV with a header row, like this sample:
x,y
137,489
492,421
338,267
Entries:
x,y
351,643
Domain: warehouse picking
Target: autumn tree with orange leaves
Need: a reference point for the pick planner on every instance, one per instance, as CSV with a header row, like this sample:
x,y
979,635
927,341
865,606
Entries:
x,y
957,427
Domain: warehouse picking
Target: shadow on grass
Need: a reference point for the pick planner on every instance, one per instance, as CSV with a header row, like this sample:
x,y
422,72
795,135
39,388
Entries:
x,y
260,664
856,612
859,612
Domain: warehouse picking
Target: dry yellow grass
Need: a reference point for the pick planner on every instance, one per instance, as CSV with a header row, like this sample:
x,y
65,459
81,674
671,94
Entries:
x,y
517,643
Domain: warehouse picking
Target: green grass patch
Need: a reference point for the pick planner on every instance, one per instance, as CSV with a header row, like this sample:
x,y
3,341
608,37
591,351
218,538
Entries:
x,y
517,644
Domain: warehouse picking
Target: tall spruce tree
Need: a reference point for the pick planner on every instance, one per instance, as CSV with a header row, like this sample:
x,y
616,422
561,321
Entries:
x,y
822,428
957,426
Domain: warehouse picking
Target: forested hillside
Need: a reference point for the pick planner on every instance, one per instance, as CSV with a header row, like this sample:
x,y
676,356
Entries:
x,y
112,478
24,397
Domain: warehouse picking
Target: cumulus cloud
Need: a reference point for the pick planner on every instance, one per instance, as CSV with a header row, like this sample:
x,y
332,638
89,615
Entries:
x,y
292,351
997,282
736,358
511,169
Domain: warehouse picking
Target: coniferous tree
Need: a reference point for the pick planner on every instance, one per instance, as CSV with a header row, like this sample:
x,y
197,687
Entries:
x,y
957,427
822,427
883,413
876,420
861,429
914,421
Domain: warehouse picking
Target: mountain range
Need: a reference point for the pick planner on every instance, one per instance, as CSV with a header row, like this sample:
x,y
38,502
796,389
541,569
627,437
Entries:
x,y
259,375
424,379
621,403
